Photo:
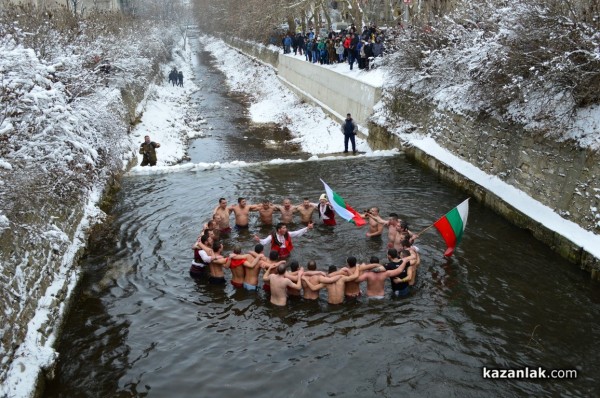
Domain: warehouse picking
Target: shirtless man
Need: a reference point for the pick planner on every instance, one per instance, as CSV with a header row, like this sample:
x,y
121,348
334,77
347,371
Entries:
x,y
279,284
335,286
375,228
311,275
265,211
352,289
287,211
393,225
241,211
292,275
272,261
217,276
306,210
253,268
238,262
223,212
376,280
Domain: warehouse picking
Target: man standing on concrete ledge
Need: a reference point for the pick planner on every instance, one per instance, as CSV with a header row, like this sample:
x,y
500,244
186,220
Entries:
x,y
349,129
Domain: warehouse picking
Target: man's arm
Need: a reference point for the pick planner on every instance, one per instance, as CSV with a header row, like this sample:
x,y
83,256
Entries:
x,y
378,232
263,241
298,284
398,271
351,277
409,275
302,231
254,262
312,287
267,275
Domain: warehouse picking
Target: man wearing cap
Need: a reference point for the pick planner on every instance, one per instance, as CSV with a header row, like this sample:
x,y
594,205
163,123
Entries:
x,y
349,129
326,211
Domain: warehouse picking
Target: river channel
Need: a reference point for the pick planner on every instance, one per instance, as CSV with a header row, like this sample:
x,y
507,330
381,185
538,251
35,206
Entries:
x,y
141,327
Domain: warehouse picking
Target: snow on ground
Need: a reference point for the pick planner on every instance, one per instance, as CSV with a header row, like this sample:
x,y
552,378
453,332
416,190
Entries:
x,y
272,102
168,115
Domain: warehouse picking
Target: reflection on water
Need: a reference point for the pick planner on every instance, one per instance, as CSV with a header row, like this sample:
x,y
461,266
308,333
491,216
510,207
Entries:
x,y
143,326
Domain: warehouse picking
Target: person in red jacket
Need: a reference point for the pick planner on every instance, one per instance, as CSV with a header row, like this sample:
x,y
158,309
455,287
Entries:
x,y
281,239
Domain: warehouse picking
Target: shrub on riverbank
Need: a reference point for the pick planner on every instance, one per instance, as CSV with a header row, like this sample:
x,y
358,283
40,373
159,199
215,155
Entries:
x,y
535,63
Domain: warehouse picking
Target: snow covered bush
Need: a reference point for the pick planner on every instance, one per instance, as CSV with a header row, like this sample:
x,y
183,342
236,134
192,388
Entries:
x,y
534,62
64,122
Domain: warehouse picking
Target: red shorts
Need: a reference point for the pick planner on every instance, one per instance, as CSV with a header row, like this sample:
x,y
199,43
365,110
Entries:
x,y
330,221
237,285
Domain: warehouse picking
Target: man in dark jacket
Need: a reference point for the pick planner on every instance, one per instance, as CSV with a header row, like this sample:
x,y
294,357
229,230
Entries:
x,y
148,150
349,128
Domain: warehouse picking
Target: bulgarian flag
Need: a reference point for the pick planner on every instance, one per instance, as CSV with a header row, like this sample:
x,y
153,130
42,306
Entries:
x,y
342,208
452,226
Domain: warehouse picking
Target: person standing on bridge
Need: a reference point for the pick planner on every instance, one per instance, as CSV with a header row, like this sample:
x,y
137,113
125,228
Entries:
x,y
349,129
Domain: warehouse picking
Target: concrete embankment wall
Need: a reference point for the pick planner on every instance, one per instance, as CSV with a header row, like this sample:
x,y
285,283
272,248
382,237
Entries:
x,y
561,176
335,93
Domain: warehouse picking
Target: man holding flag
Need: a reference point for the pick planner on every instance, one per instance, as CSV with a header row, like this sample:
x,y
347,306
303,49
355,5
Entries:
x,y
342,208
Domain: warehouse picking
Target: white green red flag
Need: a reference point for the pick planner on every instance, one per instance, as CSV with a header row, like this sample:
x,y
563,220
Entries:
x,y
342,208
452,226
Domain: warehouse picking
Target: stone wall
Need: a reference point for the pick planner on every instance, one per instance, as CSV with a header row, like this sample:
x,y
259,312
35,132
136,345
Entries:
x,y
560,175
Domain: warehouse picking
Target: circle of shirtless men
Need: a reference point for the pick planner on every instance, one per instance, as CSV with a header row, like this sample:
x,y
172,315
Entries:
x,y
281,279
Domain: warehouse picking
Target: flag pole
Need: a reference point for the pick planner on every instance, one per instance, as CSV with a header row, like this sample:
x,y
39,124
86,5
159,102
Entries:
x,y
429,227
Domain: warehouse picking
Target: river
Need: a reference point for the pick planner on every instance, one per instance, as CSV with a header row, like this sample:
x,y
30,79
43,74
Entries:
x,y
140,326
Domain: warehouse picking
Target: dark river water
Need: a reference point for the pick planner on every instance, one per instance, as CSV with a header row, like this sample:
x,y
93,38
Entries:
x,y
140,326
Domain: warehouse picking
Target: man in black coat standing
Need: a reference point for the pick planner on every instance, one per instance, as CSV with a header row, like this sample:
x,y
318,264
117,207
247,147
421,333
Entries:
x,y
349,128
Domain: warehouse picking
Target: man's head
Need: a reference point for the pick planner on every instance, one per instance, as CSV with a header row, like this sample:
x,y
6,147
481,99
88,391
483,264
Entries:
x,y
393,218
273,255
392,253
348,116
204,238
404,253
223,202
374,260
281,228
311,265
259,248
351,261
306,203
332,268
323,198
294,266
403,225
237,249
287,204
266,204
217,246
147,139
281,269
242,202
374,211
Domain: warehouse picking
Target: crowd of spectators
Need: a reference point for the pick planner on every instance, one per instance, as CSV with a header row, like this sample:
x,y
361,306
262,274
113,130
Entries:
x,y
347,45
